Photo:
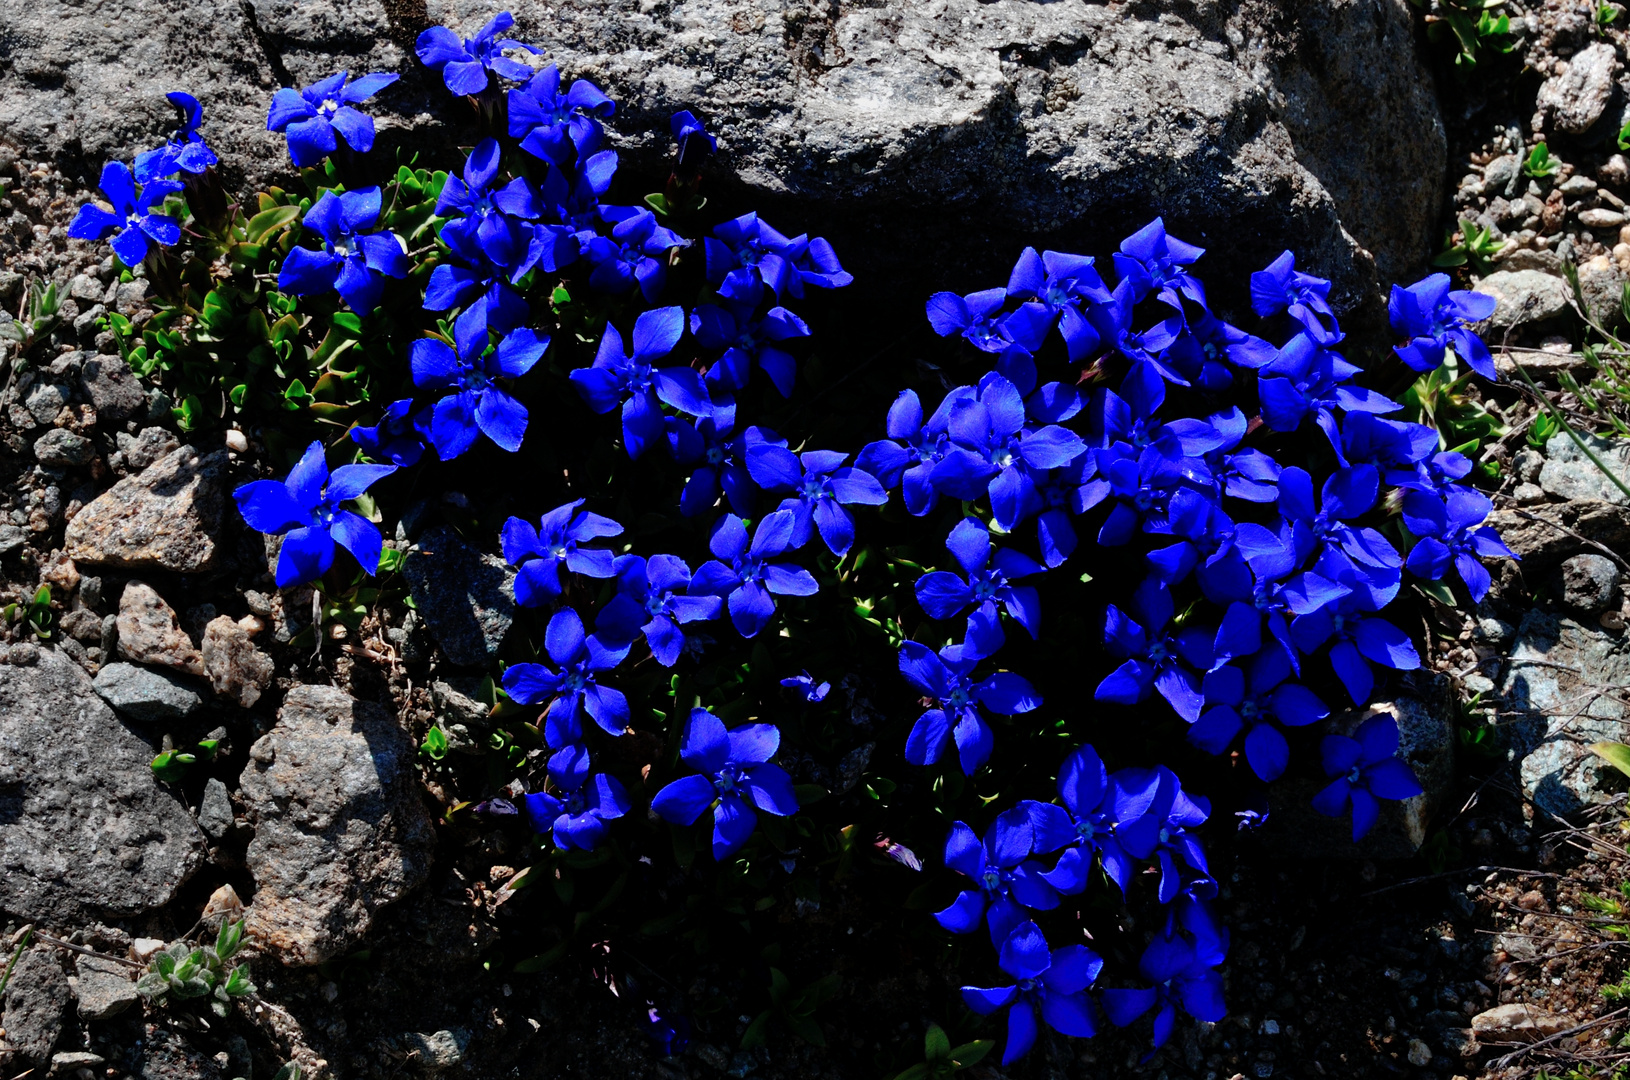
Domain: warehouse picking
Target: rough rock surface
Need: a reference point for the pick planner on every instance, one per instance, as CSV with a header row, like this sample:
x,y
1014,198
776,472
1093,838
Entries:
x,y
1590,583
340,828
1246,123
1522,296
166,517
466,597
1518,1022
150,631
1554,531
1576,97
1569,474
112,388
146,694
104,988
36,999
1562,679
84,827
235,667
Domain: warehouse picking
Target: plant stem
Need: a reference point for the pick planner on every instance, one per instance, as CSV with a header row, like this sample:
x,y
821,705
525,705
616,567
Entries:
x,y
1556,415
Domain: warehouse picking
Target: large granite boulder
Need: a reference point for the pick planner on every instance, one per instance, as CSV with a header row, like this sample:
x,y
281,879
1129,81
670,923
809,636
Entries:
x,y
967,128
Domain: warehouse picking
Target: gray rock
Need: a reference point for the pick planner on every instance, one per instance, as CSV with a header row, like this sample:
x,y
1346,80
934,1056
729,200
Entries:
x,y
215,811
84,827
1523,296
1500,175
1253,127
142,449
437,1051
63,448
1560,683
12,537
1569,474
85,287
461,714
340,827
464,596
83,625
44,401
150,631
167,517
1576,99
36,1001
1601,283
104,987
1590,583
112,388
166,1055
1600,217
1550,533
1527,463
67,1062
235,667
146,694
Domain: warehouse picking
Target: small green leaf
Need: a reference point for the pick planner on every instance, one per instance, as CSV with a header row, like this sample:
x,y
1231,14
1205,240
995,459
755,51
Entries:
x,y
936,1046
1616,754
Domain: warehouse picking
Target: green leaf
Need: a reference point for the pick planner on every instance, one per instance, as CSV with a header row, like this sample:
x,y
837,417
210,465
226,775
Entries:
x,y
936,1045
809,794
435,744
1616,754
291,1071
918,1071
757,1033
971,1053
1438,591
229,938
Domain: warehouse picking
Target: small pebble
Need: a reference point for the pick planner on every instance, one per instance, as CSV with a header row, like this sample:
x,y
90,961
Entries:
x,y
237,441
1420,1055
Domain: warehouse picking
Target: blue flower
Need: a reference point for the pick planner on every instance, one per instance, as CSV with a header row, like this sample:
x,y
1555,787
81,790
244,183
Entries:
x,y
477,404
484,262
1154,658
822,489
1063,284
396,438
556,127
1156,815
1145,487
955,699
653,599
1347,493
747,338
1051,984
1183,968
743,573
309,118
1451,529
991,573
1308,378
1068,491
635,253
557,541
977,318
132,223
1236,708
1203,349
1281,287
1366,768
306,507
1145,348
1435,318
694,142
1279,589
1003,874
575,688
186,152
480,212
807,687
464,63
1084,826
746,248
616,378
910,466
736,771
1153,261
991,440
352,261
575,812
1361,638
721,455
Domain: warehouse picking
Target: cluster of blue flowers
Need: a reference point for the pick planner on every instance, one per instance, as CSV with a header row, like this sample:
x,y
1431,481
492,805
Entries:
x,y
1128,414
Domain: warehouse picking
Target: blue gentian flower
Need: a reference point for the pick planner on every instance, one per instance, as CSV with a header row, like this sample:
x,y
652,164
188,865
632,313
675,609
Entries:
x,y
955,701
1156,814
1003,875
575,813
1113,321
1185,974
1366,768
477,405
186,152
692,138
575,688
743,573
557,127
1130,421
822,490
635,254
748,338
652,599
306,507
1144,487
1052,984
991,439
616,378
1236,707
977,318
720,456
1083,827
991,573
353,261
396,438
1451,530
1154,658
557,541
736,771
132,223
808,688
1361,638
464,62
479,211
1306,378
910,466
669,1031
1279,589
1064,493
1153,261
1205,347
1347,493
746,248
1205,542
1281,287
1065,285
310,118
1435,319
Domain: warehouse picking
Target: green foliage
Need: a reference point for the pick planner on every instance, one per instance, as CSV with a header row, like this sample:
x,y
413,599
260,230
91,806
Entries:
x,y
1541,430
1540,163
16,954
1616,754
1444,401
1606,14
434,746
171,766
36,615
183,972
1477,246
941,1059
35,318
794,1007
1471,26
